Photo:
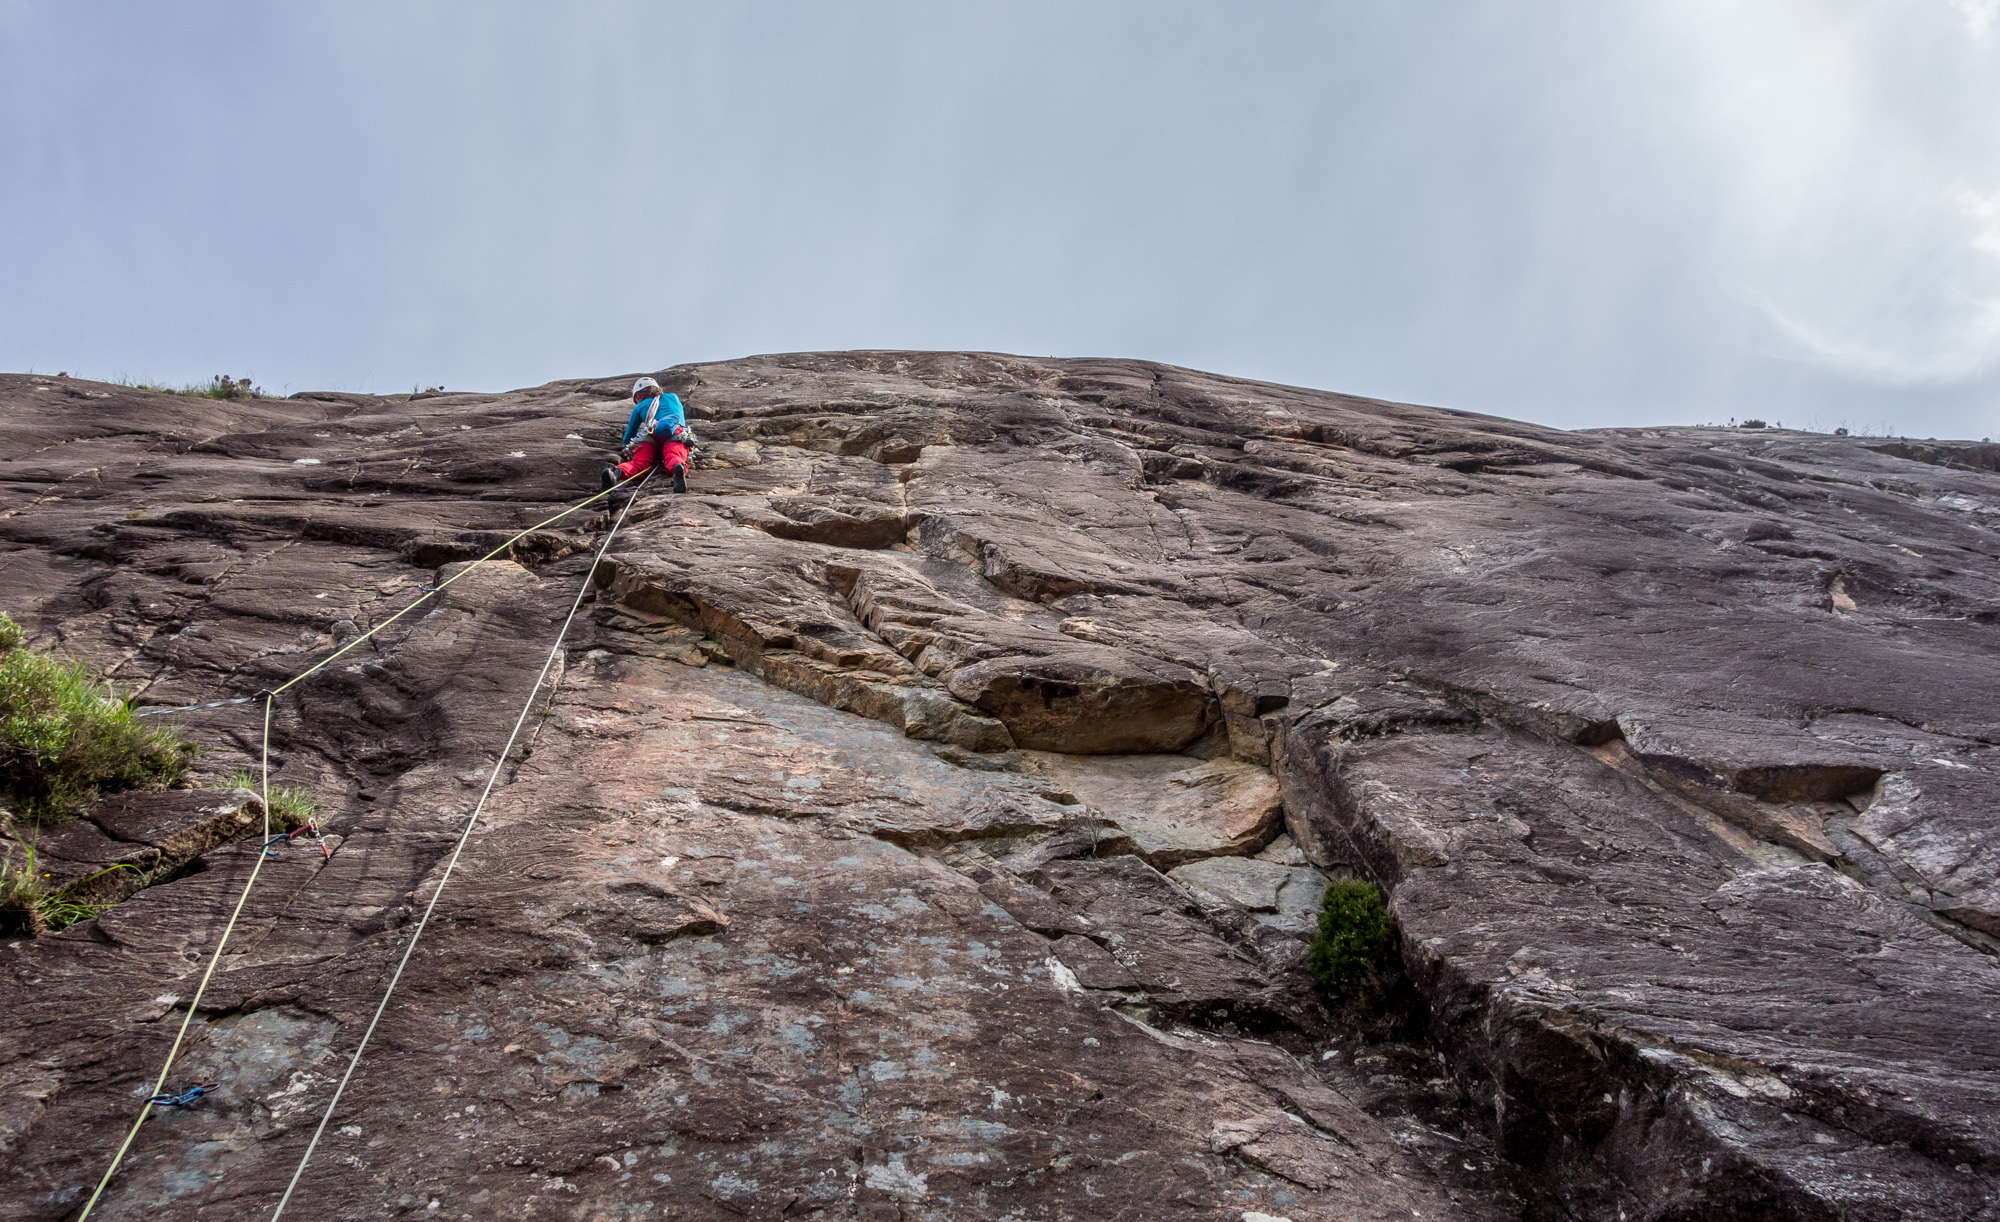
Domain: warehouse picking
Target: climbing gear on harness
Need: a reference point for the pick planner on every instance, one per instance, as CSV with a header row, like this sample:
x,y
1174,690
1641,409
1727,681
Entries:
x,y
451,863
656,416
185,1099
271,697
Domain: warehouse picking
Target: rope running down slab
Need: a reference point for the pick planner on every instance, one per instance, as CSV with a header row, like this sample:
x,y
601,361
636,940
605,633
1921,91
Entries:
x,y
264,795
464,835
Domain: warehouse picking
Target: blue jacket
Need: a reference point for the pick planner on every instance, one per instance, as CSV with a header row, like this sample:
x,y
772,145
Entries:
x,y
659,415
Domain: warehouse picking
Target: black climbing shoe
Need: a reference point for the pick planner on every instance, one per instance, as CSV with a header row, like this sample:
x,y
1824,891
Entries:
x,y
680,478
609,480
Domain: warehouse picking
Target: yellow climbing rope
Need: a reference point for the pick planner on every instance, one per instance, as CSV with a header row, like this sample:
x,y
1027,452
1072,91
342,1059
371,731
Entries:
x,y
464,834
264,794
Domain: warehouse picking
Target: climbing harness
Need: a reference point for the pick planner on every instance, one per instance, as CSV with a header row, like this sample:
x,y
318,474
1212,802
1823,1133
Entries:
x,y
185,1099
464,834
270,697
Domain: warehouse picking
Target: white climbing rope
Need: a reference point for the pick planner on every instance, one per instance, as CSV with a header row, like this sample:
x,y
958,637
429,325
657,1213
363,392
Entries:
x,y
464,835
264,795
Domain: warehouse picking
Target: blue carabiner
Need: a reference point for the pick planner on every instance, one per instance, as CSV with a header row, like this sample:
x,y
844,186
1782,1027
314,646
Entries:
x,y
185,1099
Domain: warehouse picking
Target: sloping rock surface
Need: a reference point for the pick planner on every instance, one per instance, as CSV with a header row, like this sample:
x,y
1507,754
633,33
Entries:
x,y
926,817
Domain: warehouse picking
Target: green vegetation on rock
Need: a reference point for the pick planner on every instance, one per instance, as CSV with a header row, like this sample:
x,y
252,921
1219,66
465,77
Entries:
x,y
1353,951
66,737
22,893
29,905
291,805
221,386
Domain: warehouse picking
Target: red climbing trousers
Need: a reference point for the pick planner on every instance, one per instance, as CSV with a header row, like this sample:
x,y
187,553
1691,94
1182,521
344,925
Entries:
x,y
669,454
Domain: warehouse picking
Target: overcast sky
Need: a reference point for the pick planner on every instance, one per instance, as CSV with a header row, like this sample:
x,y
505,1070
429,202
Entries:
x,y
1583,213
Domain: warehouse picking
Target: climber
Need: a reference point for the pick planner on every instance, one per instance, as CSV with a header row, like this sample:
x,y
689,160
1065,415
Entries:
x,y
657,432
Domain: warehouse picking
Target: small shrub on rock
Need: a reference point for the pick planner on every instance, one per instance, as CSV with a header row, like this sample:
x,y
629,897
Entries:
x,y
1352,953
64,737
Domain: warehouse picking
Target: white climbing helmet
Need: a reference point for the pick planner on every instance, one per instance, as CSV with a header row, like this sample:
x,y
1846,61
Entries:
x,y
644,384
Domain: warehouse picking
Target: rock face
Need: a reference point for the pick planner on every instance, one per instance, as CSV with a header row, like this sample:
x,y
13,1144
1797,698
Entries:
x,y
932,805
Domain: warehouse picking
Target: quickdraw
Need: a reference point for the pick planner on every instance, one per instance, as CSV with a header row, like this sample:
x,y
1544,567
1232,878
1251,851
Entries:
x,y
186,1099
309,829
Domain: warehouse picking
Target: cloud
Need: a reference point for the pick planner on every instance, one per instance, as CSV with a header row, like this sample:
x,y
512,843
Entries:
x,y
1579,213
1968,354
1845,141
1926,316
1979,15
1984,211
1938,323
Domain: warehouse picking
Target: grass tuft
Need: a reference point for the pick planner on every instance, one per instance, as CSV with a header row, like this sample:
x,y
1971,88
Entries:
x,y
221,386
23,888
65,737
29,905
291,805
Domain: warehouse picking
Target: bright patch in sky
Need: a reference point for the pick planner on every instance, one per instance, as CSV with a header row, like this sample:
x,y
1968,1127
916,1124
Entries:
x,y
1979,15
